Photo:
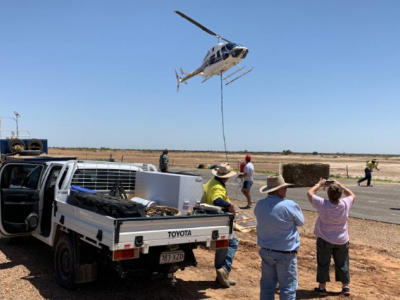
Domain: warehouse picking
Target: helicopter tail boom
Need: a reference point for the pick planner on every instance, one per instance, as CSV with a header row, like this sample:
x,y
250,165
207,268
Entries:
x,y
184,73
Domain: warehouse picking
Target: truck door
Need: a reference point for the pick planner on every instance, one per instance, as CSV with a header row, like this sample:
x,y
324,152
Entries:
x,y
19,198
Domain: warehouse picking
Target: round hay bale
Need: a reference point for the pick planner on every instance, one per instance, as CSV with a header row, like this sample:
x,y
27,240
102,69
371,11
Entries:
x,y
304,174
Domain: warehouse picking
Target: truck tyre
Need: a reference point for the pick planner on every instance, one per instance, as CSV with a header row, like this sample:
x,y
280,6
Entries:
x,y
14,144
34,144
64,261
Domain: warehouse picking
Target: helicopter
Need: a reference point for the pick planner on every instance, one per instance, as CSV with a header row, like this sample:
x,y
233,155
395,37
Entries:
x,y
218,60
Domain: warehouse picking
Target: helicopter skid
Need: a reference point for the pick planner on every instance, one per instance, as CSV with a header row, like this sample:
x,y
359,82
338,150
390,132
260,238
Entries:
x,y
206,78
240,69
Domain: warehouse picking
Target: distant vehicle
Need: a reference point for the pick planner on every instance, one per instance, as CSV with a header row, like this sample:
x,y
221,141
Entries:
x,y
67,205
218,60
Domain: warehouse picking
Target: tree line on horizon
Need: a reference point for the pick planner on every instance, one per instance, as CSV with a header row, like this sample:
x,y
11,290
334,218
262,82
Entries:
x,y
284,152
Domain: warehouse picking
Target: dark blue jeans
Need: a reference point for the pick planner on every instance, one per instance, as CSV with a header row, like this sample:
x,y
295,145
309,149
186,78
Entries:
x,y
368,176
224,257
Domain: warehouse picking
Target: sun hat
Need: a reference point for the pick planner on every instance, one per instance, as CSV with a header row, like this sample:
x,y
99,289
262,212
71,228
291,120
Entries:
x,y
224,171
274,183
248,157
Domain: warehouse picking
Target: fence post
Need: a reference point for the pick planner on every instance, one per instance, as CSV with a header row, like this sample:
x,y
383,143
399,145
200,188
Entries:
x,y
347,171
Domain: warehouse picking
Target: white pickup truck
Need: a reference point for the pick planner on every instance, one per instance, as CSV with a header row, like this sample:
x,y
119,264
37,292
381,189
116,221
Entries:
x,y
35,201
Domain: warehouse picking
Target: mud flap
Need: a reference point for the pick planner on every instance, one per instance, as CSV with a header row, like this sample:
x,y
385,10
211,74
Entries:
x,y
86,273
85,266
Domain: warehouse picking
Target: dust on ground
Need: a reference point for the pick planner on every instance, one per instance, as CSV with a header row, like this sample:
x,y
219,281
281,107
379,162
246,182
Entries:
x,y
27,272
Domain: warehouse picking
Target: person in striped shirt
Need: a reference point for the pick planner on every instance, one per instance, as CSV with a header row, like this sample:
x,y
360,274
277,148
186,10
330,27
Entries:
x,y
332,233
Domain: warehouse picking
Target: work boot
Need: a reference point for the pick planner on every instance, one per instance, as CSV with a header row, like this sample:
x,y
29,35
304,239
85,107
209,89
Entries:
x,y
231,282
222,277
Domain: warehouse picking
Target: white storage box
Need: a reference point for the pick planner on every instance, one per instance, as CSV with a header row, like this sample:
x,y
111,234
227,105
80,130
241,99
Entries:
x,y
168,189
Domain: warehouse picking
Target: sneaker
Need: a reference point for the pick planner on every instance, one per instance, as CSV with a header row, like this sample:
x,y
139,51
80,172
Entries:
x,y
321,292
346,291
222,277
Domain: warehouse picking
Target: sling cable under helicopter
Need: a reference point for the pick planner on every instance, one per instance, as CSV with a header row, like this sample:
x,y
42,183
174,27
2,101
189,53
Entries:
x,y
218,60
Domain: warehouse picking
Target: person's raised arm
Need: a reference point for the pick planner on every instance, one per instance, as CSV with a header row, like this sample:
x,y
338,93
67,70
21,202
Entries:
x,y
311,192
346,191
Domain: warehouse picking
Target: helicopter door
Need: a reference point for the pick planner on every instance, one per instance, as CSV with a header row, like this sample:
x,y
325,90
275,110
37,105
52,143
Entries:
x,y
218,55
19,198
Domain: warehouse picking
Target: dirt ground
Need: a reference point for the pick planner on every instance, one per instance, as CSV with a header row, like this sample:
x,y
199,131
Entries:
x,y
27,272
341,164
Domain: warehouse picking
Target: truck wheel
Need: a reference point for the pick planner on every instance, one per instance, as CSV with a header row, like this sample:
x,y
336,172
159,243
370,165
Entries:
x,y
15,144
64,261
34,144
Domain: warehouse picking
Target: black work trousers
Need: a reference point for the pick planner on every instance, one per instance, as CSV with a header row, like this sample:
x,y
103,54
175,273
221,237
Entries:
x,y
341,258
368,176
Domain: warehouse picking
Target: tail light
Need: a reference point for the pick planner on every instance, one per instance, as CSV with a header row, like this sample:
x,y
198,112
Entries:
x,y
125,254
219,244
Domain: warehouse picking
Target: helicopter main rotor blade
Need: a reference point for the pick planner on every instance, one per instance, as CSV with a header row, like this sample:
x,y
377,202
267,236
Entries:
x,y
200,26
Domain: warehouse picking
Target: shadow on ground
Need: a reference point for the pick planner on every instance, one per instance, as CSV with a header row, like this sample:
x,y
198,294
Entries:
x,y
37,258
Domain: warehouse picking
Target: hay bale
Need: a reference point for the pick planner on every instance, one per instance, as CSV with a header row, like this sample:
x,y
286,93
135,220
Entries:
x,y
304,174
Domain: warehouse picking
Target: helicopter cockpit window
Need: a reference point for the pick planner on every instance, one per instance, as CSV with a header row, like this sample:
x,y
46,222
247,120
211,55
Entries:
x,y
230,46
212,58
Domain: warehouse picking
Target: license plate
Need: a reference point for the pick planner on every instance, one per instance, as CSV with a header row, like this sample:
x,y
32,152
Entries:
x,y
172,257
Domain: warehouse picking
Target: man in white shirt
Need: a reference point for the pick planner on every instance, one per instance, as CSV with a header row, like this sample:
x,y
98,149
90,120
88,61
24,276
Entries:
x,y
248,177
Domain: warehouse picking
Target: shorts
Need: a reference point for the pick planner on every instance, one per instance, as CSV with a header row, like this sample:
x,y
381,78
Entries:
x,y
247,185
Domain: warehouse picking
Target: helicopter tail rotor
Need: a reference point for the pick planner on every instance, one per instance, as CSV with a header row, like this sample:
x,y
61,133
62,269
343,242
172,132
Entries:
x,y
178,79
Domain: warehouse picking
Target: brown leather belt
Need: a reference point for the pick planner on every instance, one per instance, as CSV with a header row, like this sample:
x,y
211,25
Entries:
x,y
281,251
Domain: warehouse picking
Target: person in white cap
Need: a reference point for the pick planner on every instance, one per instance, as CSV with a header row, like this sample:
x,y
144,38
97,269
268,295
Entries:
x,y
277,235
216,194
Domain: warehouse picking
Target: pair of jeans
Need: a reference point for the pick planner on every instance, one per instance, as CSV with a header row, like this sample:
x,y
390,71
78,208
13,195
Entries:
x,y
368,176
224,257
278,268
341,258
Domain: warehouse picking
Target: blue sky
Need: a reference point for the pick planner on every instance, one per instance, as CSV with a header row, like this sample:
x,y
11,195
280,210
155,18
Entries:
x,y
100,73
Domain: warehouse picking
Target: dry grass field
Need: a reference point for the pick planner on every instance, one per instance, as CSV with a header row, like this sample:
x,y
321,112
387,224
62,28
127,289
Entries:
x,y
341,165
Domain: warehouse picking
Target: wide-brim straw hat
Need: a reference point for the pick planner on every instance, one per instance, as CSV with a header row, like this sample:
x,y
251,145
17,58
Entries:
x,y
274,183
224,171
